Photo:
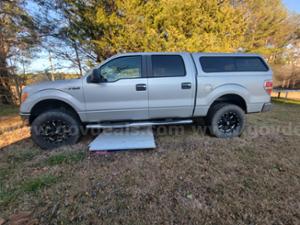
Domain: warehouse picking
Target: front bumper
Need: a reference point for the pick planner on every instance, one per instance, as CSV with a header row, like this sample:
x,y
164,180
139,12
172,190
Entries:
x,y
25,117
267,107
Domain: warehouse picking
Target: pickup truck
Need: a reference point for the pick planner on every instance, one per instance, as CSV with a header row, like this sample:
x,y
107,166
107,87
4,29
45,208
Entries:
x,y
141,89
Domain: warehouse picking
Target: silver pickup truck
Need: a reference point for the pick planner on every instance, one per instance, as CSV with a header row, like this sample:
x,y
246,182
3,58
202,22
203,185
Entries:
x,y
140,89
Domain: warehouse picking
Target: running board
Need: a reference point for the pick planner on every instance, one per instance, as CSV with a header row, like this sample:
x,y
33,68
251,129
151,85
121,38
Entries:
x,y
137,124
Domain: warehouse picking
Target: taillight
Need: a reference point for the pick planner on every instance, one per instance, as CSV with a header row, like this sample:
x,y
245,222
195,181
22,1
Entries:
x,y
268,85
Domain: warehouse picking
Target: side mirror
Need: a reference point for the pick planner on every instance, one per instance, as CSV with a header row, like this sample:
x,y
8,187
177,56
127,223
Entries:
x,y
96,77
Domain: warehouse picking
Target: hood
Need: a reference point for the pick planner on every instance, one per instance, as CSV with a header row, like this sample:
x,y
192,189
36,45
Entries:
x,y
57,85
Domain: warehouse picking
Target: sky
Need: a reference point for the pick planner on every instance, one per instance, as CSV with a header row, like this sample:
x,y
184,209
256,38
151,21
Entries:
x,y
42,63
292,5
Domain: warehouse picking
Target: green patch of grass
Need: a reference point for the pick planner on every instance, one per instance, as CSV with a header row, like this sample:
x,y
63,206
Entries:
x,y
8,195
69,158
35,184
23,155
8,110
249,182
287,101
3,172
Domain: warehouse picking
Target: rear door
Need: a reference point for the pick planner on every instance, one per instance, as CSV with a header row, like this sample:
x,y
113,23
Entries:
x,y
172,85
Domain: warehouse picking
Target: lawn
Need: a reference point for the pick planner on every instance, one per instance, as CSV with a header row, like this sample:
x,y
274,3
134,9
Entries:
x,y
190,178
11,126
8,110
288,101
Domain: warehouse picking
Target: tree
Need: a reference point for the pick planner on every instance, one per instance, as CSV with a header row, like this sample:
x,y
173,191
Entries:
x,y
109,27
106,27
17,34
269,27
59,36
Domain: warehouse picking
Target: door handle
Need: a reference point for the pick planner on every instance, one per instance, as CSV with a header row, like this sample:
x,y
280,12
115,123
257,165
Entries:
x,y
141,87
186,85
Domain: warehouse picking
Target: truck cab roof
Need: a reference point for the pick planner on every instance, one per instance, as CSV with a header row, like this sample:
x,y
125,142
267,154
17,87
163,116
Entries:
x,y
193,53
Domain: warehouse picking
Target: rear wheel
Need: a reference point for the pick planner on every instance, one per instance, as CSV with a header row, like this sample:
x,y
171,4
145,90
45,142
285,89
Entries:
x,y
53,129
226,120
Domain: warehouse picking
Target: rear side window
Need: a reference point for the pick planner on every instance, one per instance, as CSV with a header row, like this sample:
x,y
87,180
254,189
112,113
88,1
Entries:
x,y
167,66
214,64
250,64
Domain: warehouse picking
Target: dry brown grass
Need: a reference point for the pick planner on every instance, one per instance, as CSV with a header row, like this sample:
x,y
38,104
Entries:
x,y
12,129
187,179
290,95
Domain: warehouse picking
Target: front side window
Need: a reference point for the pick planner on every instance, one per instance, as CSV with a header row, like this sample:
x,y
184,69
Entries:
x,y
167,66
215,64
122,68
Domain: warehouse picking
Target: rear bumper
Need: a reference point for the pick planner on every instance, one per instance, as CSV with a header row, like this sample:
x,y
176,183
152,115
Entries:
x,y
25,117
267,107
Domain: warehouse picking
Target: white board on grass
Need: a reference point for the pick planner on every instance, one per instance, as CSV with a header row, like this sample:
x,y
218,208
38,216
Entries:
x,y
123,139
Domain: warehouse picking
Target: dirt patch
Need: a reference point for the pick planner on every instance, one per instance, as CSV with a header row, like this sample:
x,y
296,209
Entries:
x,y
191,178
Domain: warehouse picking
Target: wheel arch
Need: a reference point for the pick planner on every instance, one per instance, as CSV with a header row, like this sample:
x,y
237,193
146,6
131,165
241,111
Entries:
x,y
52,104
231,98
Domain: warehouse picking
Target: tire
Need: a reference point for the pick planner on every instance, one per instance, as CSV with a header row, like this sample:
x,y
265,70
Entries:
x,y
226,120
53,129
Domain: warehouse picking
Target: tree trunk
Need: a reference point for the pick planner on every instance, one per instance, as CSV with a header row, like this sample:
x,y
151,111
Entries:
x,y
18,86
5,91
78,59
52,68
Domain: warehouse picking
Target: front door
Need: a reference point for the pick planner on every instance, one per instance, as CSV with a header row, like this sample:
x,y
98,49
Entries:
x,y
124,93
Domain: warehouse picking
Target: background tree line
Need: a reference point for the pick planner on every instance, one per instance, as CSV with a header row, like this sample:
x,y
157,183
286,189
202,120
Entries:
x,y
88,31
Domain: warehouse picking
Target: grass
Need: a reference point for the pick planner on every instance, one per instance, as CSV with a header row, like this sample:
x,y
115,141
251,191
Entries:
x,y
67,157
190,178
35,184
287,101
21,156
11,125
8,110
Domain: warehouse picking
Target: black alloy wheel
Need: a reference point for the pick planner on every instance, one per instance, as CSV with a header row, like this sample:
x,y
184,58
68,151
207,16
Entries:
x,y
226,120
53,129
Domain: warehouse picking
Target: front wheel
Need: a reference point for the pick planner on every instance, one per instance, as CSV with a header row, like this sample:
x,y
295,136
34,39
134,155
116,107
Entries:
x,y
53,129
226,120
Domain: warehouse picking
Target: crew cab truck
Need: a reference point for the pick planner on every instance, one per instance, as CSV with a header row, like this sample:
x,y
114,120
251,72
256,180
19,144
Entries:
x,y
140,89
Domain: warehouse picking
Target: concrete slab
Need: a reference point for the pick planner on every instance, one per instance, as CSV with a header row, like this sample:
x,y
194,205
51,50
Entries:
x,y
123,139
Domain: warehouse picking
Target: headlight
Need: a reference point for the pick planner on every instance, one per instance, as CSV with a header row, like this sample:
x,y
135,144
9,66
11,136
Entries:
x,y
24,96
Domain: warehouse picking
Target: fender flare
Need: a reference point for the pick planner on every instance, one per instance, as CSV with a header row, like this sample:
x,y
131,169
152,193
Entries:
x,y
226,89
54,94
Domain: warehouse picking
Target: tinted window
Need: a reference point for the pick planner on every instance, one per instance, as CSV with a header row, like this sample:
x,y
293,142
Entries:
x,y
217,64
167,66
122,68
232,64
250,64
